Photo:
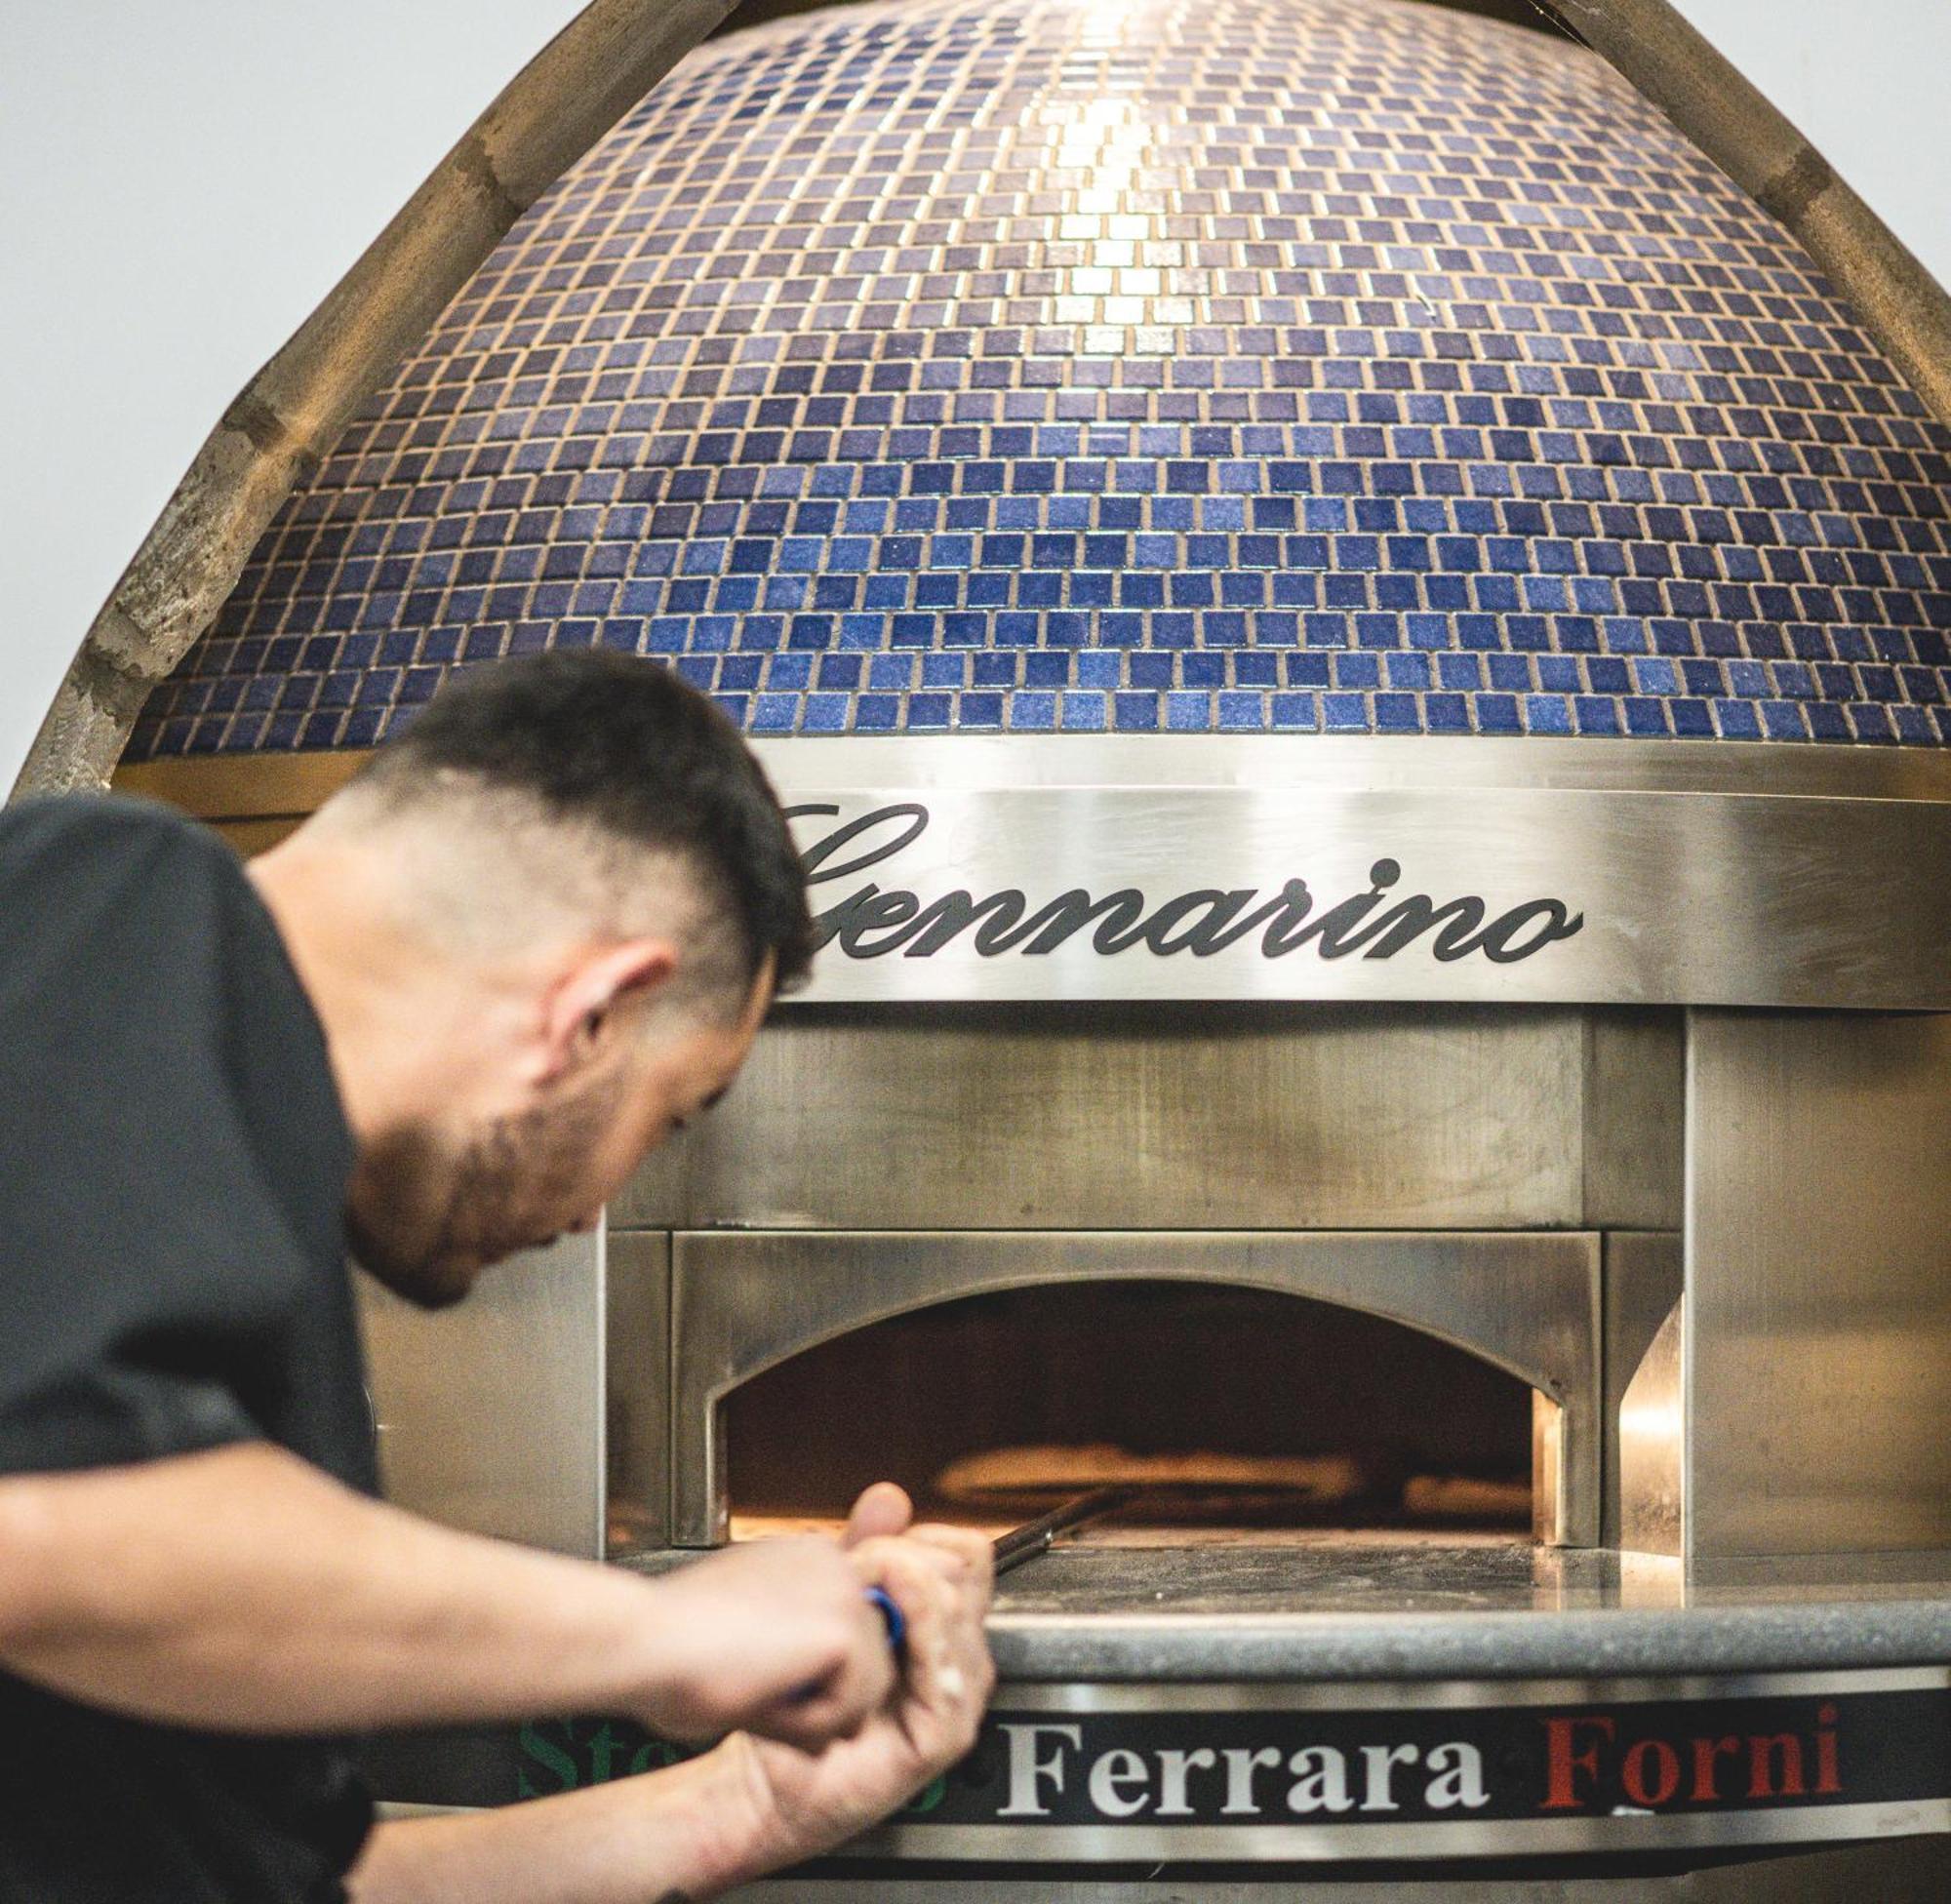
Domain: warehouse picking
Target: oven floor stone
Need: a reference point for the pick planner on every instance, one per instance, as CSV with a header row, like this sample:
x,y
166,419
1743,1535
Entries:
x,y
1348,1607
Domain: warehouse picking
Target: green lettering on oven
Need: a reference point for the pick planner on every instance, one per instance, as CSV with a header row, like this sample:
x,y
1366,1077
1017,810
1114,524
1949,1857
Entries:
x,y
536,1746
925,1801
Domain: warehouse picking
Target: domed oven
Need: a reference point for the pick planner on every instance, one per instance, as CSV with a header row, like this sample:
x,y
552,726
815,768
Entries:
x,y
1358,645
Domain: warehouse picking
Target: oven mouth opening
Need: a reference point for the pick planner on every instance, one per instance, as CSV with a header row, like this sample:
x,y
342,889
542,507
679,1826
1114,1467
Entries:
x,y
1234,1415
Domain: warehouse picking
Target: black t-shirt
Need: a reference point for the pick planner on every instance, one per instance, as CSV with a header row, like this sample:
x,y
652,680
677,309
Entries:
x,y
173,1170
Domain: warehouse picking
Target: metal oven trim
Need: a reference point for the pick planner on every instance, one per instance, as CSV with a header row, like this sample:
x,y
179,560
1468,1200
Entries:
x,y
1416,892
1384,1696
1487,1709
1350,761
1706,873
1087,1844
743,1302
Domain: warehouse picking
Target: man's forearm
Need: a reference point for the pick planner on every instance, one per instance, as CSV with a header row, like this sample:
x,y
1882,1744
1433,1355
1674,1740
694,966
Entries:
x,y
245,1590
674,1837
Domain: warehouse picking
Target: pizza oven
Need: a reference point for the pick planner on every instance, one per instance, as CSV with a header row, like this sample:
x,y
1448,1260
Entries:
x,y
1456,1298
1282,1100
1357,641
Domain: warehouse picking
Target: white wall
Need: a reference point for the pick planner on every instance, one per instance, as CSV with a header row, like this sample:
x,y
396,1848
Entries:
x,y
185,178
1865,82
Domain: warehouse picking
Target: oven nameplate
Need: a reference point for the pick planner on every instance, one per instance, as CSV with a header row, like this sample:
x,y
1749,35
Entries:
x,y
1411,894
1192,1774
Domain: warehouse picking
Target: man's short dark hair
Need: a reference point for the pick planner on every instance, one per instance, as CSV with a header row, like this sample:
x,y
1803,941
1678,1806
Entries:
x,y
623,745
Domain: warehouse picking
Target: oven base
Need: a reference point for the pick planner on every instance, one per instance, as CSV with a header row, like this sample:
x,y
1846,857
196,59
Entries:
x,y
1361,1706
1909,1871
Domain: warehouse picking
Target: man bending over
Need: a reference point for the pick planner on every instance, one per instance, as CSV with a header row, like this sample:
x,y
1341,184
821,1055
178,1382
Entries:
x,y
441,1024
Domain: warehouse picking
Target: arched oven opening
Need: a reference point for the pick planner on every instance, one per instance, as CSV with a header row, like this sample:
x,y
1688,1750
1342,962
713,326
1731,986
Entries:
x,y
1240,1416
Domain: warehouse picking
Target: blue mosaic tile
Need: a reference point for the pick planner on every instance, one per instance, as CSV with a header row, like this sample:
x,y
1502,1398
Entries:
x,y
1314,366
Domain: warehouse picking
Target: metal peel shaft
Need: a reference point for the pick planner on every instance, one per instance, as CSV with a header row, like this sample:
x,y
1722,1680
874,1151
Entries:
x,y
1038,1537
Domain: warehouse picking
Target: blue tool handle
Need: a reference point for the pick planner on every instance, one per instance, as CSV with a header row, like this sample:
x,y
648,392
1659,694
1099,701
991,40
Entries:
x,y
895,1620
897,1626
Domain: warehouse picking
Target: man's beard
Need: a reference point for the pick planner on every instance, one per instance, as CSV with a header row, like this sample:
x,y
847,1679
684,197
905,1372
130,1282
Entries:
x,y
426,1220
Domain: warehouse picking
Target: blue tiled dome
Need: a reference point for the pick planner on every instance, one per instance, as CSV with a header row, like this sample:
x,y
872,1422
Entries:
x,y
979,365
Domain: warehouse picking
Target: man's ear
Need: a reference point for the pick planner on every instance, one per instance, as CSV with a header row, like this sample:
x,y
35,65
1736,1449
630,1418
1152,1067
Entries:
x,y
578,1011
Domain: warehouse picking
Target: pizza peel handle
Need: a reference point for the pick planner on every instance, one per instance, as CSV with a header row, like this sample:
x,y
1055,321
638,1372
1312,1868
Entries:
x,y
1012,1550
897,1620
892,1616
1038,1537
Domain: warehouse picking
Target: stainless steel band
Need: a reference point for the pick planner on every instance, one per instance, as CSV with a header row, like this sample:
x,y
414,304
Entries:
x,y
1194,1774
1024,869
